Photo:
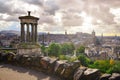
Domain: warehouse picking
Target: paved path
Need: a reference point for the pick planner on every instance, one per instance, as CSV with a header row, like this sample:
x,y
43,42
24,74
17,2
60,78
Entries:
x,y
9,72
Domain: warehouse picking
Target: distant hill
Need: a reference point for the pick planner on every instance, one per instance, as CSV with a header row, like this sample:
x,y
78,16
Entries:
x,y
14,32
10,32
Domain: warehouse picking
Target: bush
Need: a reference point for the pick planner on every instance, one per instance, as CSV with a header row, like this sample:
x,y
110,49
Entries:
x,y
84,60
107,66
103,65
115,67
68,58
42,49
62,57
7,51
72,59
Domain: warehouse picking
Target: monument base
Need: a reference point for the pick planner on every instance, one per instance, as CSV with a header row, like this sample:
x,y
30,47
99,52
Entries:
x,y
28,49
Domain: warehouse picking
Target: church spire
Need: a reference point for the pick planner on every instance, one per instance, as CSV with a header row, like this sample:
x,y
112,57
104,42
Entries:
x,y
65,32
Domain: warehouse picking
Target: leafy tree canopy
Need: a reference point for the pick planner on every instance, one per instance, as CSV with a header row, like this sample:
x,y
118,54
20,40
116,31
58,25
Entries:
x,y
54,49
67,48
80,50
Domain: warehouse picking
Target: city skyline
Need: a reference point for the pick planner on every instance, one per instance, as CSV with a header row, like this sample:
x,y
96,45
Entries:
x,y
56,17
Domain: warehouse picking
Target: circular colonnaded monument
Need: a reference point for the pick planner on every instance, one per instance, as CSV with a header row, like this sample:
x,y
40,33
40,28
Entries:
x,y
28,44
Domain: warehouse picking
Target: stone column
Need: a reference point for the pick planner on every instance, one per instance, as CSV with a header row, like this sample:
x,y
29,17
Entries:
x,y
28,34
35,32
22,33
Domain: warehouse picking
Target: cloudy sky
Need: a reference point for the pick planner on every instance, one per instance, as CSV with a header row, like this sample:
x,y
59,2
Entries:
x,y
56,16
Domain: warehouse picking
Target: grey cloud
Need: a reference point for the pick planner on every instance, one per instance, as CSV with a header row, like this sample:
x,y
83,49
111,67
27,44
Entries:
x,y
13,19
53,28
46,19
4,8
51,7
73,22
71,19
113,28
18,11
102,14
8,8
35,2
9,19
100,10
97,9
111,3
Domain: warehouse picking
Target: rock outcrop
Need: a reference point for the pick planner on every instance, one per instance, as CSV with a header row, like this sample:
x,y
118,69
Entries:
x,y
61,68
78,75
105,77
115,76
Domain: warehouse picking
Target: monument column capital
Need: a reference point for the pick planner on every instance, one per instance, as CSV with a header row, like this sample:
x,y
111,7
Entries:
x,y
22,23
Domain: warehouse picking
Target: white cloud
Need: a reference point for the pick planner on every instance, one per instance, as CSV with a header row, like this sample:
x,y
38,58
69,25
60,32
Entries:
x,y
5,25
59,15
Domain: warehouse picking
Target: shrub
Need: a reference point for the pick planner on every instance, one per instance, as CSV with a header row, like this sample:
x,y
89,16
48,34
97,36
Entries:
x,y
62,57
107,66
68,58
72,59
115,67
103,65
112,62
84,60
42,48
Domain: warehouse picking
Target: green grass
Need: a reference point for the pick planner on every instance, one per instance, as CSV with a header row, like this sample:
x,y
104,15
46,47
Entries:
x,y
29,45
68,58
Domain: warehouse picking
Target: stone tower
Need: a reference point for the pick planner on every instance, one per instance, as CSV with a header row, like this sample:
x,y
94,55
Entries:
x,y
65,32
31,24
28,43
94,37
93,33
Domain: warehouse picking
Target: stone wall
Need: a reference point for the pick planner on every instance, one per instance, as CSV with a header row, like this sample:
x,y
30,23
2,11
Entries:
x,y
29,51
63,69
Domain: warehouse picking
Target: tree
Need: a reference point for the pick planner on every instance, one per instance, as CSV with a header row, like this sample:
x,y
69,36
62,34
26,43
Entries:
x,y
54,49
42,49
67,48
80,50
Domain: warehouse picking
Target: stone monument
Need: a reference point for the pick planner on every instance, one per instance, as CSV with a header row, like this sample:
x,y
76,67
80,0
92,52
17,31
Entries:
x,y
28,44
